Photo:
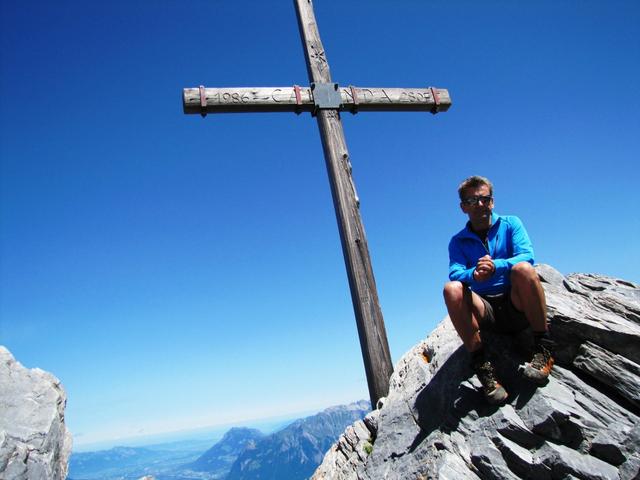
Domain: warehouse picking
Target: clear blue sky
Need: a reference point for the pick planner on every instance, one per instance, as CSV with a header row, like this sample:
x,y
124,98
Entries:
x,y
175,271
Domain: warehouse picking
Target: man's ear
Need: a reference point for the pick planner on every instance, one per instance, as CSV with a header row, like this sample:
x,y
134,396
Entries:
x,y
463,208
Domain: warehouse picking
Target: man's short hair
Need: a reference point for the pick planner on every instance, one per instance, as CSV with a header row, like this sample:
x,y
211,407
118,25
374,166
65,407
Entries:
x,y
474,182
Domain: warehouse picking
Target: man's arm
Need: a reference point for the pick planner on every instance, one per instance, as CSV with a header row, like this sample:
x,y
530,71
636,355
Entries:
x,y
522,248
458,270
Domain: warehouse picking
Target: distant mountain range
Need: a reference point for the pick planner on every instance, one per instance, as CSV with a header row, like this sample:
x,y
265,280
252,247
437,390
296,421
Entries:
x,y
218,459
295,451
292,453
125,463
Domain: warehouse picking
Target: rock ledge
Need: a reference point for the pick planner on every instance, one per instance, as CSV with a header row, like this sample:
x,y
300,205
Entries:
x,y
585,423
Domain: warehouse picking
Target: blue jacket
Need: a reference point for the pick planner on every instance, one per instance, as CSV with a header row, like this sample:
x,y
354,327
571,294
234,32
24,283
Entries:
x,y
508,244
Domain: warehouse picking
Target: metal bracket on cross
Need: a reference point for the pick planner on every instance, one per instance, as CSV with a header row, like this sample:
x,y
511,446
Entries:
x,y
436,100
203,101
325,96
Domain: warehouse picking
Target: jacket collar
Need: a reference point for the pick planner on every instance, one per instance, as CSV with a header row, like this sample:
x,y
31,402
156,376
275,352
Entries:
x,y
495,219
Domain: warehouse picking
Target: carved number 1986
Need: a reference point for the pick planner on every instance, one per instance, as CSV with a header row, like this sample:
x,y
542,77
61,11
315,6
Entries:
x,y
227,97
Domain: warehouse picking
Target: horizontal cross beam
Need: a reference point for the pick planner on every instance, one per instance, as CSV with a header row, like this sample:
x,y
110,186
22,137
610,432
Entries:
x,y
300,99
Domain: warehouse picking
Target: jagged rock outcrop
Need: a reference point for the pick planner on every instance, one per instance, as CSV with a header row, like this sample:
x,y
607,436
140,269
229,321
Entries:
x,y
34,440
584,423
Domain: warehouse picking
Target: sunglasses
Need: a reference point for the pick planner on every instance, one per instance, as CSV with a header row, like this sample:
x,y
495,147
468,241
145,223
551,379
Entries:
x,y
475,199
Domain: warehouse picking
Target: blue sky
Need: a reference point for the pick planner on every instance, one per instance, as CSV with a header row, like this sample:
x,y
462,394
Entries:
x,y
178,272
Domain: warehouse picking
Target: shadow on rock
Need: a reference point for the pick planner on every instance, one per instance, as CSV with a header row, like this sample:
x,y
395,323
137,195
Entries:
x,y
454,393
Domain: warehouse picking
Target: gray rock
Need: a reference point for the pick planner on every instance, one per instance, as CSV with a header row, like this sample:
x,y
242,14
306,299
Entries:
x,y
351,450
488,459
583,424
611,369
608,446
630,470
34,441
563,461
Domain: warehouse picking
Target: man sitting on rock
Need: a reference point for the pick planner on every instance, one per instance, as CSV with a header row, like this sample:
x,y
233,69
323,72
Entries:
x,y
494,286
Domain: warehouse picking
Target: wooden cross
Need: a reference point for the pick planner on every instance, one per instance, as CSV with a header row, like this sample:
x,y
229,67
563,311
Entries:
x,y
325,99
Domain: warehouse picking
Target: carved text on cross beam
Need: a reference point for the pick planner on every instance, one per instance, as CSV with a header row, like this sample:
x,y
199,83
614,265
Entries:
x,y
300,99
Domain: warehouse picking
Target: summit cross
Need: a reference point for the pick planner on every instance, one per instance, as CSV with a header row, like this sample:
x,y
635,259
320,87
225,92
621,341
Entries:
x,y
325,100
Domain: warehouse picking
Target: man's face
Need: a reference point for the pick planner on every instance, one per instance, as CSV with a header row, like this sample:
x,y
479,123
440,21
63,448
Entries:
x,y
480,213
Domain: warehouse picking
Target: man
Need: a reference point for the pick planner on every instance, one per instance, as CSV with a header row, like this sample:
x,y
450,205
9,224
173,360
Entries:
x,y
494,286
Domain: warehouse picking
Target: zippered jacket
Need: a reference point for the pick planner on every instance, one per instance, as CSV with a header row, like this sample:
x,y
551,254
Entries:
x,y
507,243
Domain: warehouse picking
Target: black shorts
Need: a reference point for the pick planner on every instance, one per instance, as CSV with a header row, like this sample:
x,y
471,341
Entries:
x,y
501,315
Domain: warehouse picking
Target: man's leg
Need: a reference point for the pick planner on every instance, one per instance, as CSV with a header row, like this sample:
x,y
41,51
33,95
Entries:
x,y
527,296
466,310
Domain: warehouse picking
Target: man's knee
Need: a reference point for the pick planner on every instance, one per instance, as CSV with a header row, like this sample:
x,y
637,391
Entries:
x,y
523,271
453,292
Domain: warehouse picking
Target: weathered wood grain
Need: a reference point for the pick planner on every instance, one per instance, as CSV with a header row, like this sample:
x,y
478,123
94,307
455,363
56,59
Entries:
x,y
364,296
283,99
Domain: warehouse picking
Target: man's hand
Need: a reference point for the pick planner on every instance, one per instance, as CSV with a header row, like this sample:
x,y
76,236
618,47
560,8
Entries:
x,y
484,269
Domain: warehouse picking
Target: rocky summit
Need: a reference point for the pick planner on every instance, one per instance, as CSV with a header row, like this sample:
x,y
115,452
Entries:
x,y
583,424
34,441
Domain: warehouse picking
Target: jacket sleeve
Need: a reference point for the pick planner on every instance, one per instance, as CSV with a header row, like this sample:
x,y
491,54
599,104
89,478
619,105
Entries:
x,y
458,264
522,248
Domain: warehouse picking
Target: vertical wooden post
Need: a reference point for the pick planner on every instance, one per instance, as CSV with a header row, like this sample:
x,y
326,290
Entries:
x,y
371,330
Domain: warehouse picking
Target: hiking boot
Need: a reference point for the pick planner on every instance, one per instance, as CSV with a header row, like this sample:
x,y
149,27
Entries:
x,y
493,391
539,368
